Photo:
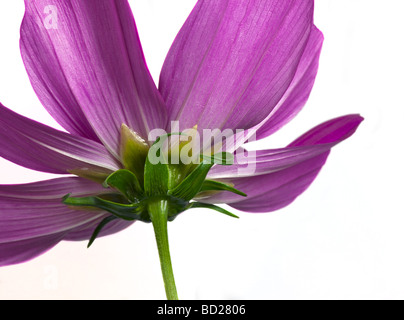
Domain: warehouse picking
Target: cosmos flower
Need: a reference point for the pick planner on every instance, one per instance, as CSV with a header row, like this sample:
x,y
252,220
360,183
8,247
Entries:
x,y
235,64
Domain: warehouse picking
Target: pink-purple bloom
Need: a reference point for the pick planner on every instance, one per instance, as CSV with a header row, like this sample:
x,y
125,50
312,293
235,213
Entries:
x,y
235,64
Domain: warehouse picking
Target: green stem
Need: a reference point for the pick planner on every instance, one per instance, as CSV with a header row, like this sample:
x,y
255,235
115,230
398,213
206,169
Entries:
x,y
158,211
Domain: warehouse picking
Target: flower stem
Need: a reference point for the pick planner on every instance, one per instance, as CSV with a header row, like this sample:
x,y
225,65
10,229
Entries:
x,y
158,211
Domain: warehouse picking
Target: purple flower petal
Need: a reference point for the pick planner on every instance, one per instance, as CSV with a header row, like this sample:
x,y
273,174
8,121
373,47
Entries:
x,y
33,217
52,189
36,209
299,90
291,176
89,61
332,131
87,230
24,250
274,191
233,60
294,98
267,161
39,147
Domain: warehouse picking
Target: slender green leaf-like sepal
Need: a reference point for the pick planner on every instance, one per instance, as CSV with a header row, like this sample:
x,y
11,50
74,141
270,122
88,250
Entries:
x,y
128,212
156,178
211,185
192,184
195,205
126,182
99,228
157,175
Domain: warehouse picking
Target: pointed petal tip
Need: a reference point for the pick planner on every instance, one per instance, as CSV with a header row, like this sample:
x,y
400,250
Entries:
x,y
349,123
332,131
279,188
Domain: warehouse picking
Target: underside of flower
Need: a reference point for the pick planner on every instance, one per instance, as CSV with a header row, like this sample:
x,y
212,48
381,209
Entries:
x,y
152,175
235,65
155,186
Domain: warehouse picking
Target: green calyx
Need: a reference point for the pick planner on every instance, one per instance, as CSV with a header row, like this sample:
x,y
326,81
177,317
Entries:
x,y
131,192
131,202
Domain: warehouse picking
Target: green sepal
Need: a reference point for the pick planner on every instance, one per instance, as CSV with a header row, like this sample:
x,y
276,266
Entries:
x,y
156,178
156,172
99,228
129,212
125,182
192,184
195,205
176,207
212,185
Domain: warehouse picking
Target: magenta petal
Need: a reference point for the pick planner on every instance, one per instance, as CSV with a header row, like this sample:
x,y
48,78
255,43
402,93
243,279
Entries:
x,y
335,130
291,176
281,188
33,217
36,209
267,161
39,147
233,60
86,231
299,90
24,250
90,62
51,189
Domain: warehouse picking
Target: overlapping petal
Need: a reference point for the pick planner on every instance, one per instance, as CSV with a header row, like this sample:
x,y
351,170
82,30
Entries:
x,y
278,181
39,147
294,98
86,231
33,217
36,209
299,90
24,250
233,60
88,69
254,163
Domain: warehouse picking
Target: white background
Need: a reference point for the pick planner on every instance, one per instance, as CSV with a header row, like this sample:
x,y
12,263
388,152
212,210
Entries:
x,y
342,239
